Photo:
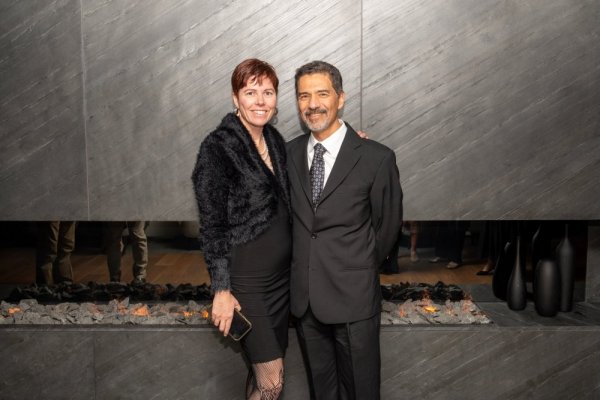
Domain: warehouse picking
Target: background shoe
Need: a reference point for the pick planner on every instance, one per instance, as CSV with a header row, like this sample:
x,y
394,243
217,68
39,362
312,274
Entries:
x,y
488,269
414,257
452,265
484,272
435,259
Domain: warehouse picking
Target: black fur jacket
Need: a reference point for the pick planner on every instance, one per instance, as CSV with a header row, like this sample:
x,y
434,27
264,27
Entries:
x,y
236,192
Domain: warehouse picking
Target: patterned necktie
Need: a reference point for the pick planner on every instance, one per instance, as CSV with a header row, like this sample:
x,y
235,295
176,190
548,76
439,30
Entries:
x,y
317,173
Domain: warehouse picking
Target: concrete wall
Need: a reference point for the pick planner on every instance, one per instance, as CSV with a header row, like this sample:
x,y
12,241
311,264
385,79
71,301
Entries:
x,y
491,106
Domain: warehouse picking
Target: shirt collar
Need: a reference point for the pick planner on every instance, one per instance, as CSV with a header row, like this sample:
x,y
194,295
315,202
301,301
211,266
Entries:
x,y
334,142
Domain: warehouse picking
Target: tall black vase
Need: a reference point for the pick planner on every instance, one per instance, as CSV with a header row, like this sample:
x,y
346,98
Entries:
x,y
546,288
516,291
565,260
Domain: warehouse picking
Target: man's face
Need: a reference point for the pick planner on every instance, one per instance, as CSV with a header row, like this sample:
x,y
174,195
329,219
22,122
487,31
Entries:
x,y
318,104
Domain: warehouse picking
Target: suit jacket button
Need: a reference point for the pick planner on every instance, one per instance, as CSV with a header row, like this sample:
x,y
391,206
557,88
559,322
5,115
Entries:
x,y
313,236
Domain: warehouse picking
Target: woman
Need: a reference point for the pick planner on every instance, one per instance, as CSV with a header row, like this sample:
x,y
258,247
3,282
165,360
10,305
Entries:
x,y
241,186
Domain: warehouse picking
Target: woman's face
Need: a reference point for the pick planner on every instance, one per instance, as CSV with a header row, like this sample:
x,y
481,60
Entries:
x,y
256,103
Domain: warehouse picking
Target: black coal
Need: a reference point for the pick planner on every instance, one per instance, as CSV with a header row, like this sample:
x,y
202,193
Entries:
x,y
104,292
440,292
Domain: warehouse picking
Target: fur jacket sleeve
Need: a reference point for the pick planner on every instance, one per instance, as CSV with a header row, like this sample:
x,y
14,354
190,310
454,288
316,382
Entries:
x,y
237,194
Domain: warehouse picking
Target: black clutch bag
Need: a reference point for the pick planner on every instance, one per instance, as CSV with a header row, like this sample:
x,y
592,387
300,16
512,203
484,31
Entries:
x,y
240,325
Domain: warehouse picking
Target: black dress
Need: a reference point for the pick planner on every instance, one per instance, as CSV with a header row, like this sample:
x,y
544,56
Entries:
x,y
259,275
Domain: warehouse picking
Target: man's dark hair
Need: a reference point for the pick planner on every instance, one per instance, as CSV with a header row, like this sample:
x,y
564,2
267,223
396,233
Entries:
x,y
321,67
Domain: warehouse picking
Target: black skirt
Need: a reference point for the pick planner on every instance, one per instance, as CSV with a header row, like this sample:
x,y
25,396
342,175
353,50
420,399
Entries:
x,y
260,278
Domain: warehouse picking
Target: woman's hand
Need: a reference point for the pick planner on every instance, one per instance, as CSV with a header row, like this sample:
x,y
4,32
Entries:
x,y
222,310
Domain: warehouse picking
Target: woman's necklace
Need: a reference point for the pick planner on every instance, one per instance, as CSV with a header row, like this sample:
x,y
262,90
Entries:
x,y
264,153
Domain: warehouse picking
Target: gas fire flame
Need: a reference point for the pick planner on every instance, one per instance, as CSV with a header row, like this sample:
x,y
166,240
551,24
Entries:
x,y
402,311
141,311
430,309
428,305
14,310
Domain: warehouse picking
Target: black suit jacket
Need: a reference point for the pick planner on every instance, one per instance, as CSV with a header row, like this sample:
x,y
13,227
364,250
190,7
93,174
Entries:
x,y
337,250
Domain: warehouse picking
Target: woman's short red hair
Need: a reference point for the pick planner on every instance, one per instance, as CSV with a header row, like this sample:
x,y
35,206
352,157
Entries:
x,y
252,69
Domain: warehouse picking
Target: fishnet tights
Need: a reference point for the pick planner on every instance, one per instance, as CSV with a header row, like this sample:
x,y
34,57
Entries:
x,y
268,381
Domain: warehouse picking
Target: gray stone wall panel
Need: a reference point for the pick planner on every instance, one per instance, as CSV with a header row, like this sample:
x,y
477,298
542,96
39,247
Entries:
x,y
492,107
42,140
158,80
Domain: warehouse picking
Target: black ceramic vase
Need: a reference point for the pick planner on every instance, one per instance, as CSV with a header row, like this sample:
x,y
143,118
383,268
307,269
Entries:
x,y
564,258
516,291
546,288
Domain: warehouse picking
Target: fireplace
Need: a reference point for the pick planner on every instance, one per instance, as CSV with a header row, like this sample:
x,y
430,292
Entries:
x,y
152,304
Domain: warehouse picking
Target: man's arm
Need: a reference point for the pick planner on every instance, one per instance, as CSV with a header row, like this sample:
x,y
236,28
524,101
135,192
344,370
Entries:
x,y
386,206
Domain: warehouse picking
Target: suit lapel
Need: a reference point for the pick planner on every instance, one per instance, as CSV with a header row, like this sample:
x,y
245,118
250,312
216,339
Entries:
x,y
300,163
346,160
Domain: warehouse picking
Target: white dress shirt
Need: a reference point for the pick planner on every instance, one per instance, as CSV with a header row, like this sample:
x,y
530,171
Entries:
x,y
332,146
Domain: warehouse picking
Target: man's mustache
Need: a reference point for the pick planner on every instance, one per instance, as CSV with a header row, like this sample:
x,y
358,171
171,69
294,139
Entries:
x,y
308,113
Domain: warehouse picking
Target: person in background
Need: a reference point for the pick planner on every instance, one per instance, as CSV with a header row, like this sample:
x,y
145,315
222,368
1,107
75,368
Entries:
x,y
55,243
413,228
113,238
449,243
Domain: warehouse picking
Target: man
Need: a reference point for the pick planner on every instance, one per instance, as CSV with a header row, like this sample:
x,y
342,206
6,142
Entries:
x,y
347,211
56,242
113,236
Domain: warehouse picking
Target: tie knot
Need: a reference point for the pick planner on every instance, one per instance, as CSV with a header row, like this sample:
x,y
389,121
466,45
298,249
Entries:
x,y
319,150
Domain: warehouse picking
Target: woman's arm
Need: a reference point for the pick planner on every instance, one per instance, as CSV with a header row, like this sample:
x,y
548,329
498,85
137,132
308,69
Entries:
x,y
212,181
211,187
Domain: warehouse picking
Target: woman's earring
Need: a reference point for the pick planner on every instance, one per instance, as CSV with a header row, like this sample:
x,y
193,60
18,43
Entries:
x,y
274,119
